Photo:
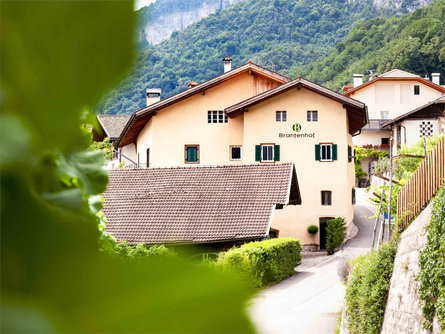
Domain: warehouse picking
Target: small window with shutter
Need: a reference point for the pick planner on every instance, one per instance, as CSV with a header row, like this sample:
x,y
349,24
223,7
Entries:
x,y
326,152
267,153
326,197
191,154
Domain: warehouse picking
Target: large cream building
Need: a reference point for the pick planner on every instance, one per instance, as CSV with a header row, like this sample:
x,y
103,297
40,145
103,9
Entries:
x,y
251,115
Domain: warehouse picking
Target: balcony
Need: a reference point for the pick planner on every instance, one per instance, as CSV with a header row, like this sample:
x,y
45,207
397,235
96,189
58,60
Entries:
x,y
375,125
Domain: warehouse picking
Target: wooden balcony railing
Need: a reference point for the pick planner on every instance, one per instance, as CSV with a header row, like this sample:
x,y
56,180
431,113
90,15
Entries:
x,y
422,185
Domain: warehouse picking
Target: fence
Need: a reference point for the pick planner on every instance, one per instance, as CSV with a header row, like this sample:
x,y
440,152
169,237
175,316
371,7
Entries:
x,y
422,185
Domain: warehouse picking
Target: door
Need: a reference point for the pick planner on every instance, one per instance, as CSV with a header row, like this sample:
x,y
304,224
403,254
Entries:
x,y
323,222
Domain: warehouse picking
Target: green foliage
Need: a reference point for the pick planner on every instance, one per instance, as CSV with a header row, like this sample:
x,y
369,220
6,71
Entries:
x,y
312,229
141,253
414,43
335,233
53,69
367,289
406,166
362,153
281,35
432,266
105,146
262,263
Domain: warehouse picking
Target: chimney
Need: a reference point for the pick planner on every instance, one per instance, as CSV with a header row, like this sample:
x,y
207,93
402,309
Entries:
x,y
358,79
227,63
192,84
435,78
153,95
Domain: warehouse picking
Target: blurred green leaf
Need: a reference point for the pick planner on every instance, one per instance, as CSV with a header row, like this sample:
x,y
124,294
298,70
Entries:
x,y
57,58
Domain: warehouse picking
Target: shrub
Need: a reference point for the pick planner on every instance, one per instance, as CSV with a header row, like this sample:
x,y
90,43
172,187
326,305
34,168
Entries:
x,y
141,253
263,262
432,264
367,289
335,234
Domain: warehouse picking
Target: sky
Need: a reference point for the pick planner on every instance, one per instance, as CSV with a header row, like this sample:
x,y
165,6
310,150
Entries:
x,y
142,3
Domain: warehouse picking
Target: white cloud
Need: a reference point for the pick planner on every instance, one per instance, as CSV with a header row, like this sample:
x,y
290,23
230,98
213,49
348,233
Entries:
x,y
138,4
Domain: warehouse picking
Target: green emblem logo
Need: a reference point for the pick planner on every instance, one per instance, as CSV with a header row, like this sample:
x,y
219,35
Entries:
x,y
296,127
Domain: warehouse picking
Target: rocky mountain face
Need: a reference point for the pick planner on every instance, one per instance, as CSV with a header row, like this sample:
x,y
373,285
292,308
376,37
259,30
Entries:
x,y
162,18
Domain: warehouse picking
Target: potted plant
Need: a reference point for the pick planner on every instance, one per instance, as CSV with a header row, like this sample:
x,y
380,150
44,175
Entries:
x,y
313,229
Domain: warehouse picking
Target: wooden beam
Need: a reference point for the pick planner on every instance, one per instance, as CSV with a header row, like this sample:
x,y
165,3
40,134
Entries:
x,y
409,156
386,179
379,197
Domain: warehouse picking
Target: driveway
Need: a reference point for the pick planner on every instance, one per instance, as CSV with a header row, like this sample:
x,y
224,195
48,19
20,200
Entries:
x,y
310,301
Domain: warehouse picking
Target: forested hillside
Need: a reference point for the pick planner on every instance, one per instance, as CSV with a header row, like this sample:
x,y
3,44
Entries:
x,y
414,43
284,35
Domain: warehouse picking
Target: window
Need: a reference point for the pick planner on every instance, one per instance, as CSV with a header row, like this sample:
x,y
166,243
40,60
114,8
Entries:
x,y
312,116
281,116
325,152
267,153
235,153
385,141
326,197
350,155
353,195
416,90
426,129
191,154
216,116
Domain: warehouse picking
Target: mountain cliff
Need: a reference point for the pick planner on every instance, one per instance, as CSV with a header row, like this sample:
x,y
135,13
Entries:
x,y
163,17
283,35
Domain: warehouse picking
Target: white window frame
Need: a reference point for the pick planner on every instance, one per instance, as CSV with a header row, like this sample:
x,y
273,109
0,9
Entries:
x,y
321,152
241,152
310,114
281,116
273,152
216,116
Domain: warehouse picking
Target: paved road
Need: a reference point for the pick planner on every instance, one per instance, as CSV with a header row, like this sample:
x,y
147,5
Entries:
x,y
310,301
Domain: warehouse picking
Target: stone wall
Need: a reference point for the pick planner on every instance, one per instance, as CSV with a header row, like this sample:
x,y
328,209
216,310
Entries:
x,y
403,314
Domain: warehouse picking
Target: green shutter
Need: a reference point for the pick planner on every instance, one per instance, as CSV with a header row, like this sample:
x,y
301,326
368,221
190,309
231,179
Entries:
x,y
257,152
353,195
195,154
276,153
317,152
191,154
334,151
349,153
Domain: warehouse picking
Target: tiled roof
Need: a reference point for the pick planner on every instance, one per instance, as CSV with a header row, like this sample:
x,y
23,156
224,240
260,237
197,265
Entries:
x,y
113,124
142,116
197,204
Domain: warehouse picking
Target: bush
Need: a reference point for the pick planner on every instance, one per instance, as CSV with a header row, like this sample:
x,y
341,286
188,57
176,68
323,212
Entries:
x,y
335,234
367,289
432,264
263,262
141,253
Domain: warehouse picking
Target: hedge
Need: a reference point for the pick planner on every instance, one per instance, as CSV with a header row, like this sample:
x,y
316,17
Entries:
x,y
367,289
263,263
432,266
335,234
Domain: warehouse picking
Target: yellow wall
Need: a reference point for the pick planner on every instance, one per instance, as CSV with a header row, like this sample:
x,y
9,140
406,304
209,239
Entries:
x,y
185,122
314,176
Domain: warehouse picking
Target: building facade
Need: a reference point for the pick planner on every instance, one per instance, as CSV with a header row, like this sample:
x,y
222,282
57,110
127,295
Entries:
x,y
253,116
